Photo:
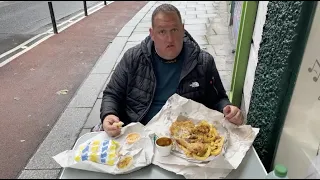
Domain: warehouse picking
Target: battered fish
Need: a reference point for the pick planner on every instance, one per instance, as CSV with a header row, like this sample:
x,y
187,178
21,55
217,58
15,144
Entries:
x,y
197,148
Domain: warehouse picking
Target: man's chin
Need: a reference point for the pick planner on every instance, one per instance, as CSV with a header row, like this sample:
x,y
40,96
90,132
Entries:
x,y
171,56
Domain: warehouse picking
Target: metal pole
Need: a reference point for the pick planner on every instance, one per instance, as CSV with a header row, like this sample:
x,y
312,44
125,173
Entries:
x,y
53,20
85,8
105,2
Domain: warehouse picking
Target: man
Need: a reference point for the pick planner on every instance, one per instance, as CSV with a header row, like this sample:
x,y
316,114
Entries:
x,y
168,61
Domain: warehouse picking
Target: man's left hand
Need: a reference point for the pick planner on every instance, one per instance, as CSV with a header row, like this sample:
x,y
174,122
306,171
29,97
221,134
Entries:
x,y
233,114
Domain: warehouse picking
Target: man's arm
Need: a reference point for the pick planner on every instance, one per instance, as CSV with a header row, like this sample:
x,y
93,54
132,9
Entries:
x,y
115,92
218,97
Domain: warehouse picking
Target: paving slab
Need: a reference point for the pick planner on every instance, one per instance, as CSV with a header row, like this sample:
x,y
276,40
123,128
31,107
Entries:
x,y
39,174
92,86
94,117
61,138
107,60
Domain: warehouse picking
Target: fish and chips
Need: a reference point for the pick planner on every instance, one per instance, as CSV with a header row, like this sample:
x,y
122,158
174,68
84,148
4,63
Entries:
x,y
198,141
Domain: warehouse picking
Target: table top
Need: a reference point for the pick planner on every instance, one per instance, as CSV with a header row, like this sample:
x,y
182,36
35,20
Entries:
x,y
250,167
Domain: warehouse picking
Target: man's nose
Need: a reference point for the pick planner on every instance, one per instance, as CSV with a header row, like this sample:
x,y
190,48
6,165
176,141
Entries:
x,y
170,37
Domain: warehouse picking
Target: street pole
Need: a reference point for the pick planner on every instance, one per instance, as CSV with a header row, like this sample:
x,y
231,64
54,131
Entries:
x,y
53,20
105,2
85,8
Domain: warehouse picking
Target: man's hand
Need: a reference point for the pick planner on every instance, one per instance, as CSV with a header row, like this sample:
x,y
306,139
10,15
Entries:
x,y
233,114
109,128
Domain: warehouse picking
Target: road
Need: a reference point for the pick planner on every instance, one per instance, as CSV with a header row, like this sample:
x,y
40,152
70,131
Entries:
x,y
29,103
21,20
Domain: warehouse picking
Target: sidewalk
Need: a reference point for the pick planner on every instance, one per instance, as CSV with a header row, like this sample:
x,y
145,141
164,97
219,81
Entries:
x,y
206,22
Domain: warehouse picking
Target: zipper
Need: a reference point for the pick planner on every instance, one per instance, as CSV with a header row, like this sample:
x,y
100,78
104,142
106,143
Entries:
x,y
181,78
154,90
214,86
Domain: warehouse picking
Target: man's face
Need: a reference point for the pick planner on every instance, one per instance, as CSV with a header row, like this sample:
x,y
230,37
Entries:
x,y
167,33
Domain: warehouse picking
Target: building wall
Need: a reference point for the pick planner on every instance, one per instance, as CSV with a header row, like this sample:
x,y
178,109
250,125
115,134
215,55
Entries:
x,y
273,73
253,57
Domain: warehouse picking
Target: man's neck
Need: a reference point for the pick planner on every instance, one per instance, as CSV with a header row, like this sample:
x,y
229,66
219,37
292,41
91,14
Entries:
x,y
167,60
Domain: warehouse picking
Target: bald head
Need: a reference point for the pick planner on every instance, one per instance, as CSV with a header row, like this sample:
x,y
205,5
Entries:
x,y
166,9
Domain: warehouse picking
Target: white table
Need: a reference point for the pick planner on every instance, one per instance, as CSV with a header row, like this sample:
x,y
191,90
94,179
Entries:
x,y
250,168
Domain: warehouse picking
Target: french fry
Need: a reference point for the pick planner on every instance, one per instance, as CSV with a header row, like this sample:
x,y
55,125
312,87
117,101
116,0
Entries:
x,y
185,150
217,141
221,141
208,140
211,130
202,158
216,151
214,147
215,132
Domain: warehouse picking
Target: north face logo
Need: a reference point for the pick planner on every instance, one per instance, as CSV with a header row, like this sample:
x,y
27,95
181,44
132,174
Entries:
x,y
194,84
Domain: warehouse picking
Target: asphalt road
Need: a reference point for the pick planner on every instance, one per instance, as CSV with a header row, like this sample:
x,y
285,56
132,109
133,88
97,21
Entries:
x,y
29,105
22,20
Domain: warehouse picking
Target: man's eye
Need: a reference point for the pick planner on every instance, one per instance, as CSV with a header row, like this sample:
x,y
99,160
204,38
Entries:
x,y
162,32
174,30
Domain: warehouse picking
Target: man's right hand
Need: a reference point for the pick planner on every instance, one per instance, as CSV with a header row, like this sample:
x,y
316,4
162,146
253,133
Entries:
x,y
108,126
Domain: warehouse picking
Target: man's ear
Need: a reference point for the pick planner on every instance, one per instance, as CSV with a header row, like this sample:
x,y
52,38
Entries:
x,y
151,33
184,30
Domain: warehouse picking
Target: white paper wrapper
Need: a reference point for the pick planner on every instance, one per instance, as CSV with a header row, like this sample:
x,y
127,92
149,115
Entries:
x,y
142,152
314,169
239,140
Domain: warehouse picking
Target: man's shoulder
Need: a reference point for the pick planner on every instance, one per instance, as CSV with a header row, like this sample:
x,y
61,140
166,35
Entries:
x,y
133,53
205,57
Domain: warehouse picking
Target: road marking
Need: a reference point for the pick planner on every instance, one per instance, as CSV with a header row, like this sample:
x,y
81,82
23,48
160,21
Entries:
x,y
21,45
48,34
25,50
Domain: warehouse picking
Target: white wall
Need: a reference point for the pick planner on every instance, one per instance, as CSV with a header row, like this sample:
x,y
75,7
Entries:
x,y
253,56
